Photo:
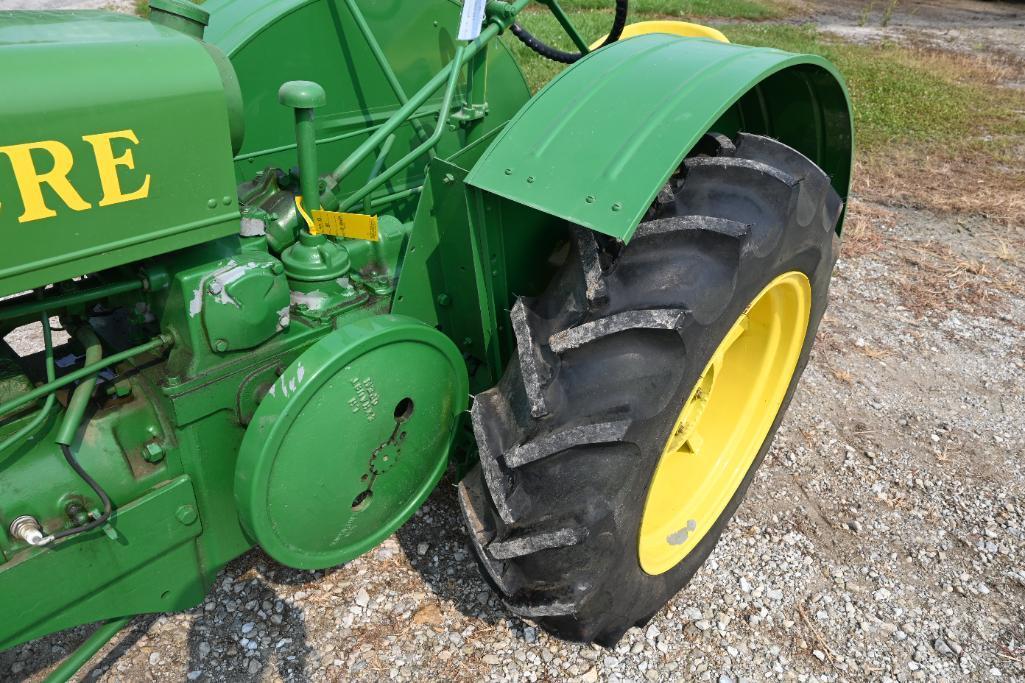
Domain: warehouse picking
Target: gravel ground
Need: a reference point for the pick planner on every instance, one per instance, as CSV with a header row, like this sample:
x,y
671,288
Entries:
x,y
115,5
964,25
883,538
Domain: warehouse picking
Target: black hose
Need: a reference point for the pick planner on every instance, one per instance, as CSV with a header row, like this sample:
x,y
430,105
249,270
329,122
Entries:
x,y
556,55
104,498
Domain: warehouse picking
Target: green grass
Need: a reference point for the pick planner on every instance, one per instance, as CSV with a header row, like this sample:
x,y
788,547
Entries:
x,y
593,18
904,94
723,9
591,25
899,93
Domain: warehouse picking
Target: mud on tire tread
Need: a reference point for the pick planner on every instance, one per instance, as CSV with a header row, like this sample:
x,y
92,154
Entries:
x,y
571,435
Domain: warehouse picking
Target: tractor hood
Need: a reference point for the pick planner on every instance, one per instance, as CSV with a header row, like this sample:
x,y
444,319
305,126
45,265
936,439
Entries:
x,y
114,144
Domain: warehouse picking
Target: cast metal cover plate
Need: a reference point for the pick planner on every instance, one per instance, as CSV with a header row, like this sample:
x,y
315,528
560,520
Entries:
x,y
350,440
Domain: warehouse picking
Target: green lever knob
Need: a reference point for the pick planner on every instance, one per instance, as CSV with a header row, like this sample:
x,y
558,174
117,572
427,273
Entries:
x,y
304,97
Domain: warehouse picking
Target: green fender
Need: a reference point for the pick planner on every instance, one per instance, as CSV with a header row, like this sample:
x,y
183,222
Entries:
x,y
597,143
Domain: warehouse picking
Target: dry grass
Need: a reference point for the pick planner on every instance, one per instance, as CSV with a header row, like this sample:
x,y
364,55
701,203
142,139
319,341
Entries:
x,y
935,278
971,68
873,352
862,234
923,178
931,276
1003,250
981,172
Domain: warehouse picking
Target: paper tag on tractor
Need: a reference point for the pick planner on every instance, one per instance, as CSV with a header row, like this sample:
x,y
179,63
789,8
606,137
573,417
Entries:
x,y
472,19
355,226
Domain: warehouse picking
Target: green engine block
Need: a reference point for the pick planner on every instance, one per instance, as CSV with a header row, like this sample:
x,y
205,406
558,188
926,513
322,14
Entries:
x,y
229,379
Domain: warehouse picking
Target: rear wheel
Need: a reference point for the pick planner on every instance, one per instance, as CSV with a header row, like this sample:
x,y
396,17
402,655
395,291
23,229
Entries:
x,y
648,383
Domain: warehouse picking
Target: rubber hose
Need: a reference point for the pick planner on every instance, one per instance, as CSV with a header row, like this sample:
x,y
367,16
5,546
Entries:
x,y
101,494
556,55
69,426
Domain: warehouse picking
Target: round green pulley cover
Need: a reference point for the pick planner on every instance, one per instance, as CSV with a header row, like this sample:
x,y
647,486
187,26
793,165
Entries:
x,y
350,440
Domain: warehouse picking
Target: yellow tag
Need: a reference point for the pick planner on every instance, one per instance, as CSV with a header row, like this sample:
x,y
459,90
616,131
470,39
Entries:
x,y
352,225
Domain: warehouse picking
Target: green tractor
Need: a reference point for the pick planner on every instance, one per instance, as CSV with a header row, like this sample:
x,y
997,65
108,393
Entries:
x,y
305,256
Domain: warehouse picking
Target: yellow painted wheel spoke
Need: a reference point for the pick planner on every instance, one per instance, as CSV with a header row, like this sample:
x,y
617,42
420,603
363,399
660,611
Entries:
x,y
715,365
724,422
692,446
677,440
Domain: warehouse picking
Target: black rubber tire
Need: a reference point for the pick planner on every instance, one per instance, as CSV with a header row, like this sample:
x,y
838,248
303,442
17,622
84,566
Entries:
x,y
570,437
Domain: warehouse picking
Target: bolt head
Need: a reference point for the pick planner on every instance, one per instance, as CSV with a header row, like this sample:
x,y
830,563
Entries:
x,y
186,515
215,287
220,346
153,452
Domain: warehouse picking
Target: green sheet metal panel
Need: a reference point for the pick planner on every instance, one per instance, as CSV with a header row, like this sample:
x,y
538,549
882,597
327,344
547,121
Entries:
x,y
262,39
597,143
128,122
152,567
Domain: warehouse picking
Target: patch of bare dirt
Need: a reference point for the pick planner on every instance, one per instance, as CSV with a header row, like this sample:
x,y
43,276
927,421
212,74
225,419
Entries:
x,y
960,25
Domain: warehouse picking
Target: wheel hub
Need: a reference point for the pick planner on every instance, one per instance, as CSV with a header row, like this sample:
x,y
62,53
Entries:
x,y
724,422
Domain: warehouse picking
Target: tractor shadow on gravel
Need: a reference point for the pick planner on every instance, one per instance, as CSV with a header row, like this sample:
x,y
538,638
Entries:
x,y
25,661
217,638
435,543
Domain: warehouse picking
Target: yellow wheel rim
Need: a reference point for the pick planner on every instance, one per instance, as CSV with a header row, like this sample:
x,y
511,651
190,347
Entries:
x,y
683,29
724,422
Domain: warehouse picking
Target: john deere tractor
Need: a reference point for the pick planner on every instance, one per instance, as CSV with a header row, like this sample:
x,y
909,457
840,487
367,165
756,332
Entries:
x,y
309,255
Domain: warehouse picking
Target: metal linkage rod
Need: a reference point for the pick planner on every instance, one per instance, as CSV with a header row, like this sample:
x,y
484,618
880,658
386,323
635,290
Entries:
x,y
77,659
382,61
83,392
446,106
29,305
328,199
567,25
159,342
